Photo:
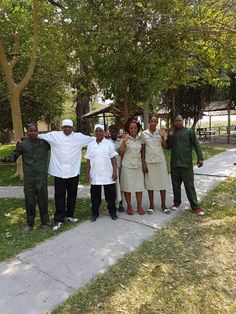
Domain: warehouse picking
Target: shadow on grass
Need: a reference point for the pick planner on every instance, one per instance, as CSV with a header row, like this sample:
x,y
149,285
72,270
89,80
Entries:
x,y
12,221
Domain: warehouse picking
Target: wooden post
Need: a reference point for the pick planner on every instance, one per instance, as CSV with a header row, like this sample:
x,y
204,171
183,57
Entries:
x,y
209,123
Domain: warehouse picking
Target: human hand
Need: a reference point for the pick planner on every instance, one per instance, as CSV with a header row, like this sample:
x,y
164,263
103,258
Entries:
x,y
200,163
144,167
163,132
124,138
171,130
114,175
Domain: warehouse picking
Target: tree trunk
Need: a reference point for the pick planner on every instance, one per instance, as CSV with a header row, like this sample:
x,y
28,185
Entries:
x,y
173,107
126,105
14,89
16,114
17,125
82,107
145,114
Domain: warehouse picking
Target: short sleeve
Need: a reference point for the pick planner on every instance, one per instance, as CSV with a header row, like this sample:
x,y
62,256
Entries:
x,y
112,152
88,153
142,138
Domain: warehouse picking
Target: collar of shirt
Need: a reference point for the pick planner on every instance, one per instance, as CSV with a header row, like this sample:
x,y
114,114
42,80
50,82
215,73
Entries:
x,y
134,139
156,132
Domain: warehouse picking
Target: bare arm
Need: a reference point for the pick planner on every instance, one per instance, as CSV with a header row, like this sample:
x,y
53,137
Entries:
x,y
114,166
122,147
169,141
163,138
87,170
144,166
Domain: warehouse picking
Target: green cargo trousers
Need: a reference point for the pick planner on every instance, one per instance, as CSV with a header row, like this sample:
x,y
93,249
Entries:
x,y
185,175
36,192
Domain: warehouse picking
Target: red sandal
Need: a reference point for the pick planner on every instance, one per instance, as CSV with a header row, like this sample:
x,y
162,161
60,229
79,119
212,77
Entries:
x,y
130,211
141,211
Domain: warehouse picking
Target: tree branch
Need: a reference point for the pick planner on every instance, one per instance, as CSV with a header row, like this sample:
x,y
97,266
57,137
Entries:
x,y
6,67
55,3
16,54
33,59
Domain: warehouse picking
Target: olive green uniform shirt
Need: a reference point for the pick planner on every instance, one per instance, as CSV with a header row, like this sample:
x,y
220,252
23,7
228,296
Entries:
x,y
35,158
181,144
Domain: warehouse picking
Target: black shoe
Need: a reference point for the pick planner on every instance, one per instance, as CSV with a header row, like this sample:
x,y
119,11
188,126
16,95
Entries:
x,y
27,230
121,208
235,163
44,227
93,218
114,217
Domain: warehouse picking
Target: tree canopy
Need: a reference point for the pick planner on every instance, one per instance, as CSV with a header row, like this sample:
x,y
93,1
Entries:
x,y
136,52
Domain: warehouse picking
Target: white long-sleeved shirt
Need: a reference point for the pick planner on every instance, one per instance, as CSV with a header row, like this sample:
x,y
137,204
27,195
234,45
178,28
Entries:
x,y
66,152
100,155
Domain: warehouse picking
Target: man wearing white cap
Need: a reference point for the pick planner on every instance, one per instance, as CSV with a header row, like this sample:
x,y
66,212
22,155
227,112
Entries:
x,y
102,170
65,162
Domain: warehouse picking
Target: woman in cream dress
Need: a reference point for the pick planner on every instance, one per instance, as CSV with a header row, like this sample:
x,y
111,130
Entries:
x,y
156,175
132,177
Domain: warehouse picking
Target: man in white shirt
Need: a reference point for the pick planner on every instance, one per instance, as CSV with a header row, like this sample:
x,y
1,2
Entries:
x,y
65,162
102,170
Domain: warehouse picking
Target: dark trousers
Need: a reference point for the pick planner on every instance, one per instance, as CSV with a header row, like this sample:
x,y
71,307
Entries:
x,y
96,198
65,197
36,192
185,175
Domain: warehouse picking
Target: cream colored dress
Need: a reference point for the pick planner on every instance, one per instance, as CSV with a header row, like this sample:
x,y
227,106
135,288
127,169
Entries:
x,y
157,177
132,177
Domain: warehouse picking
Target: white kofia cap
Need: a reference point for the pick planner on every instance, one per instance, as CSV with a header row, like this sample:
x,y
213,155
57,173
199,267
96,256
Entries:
x,y
67,122
100,126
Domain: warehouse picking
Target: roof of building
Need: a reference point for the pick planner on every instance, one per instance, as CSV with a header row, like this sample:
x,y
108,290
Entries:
x,y
219,105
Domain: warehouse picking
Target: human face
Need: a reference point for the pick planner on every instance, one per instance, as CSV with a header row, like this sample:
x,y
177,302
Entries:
x,y
153,123
99,134
32,132
178,122
113,134
133,129
67,130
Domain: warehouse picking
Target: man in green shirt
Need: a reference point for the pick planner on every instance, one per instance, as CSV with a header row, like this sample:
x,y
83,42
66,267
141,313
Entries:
x,y
181,141
34,153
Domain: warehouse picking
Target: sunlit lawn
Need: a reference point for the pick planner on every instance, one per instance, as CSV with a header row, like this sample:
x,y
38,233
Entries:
x,y
188,267
8,171
12,222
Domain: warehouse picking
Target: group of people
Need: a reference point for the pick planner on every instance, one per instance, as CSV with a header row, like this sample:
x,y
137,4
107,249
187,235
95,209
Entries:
x,y
123,166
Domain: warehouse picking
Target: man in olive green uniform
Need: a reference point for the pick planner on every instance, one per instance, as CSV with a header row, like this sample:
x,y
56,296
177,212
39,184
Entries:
x,y
181,141
34,153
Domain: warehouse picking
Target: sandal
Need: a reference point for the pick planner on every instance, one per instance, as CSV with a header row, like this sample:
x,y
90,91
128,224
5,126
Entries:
x,y
150,211
166,210
130,211
141,211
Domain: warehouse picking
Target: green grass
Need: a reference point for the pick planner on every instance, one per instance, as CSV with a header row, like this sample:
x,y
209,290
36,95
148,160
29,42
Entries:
x,y
12,222
8,171
187,267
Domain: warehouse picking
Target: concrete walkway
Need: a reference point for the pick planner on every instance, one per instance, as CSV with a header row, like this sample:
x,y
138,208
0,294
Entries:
x,y
36,281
